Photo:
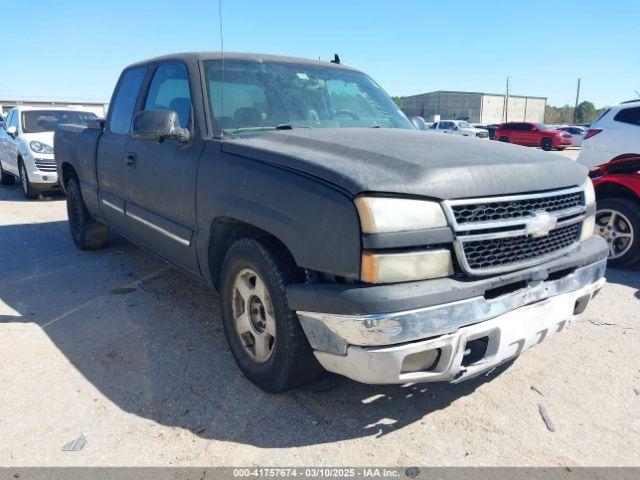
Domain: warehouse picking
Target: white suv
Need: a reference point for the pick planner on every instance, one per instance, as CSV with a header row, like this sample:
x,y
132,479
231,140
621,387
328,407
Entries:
x,y
458,127
615,134
26,146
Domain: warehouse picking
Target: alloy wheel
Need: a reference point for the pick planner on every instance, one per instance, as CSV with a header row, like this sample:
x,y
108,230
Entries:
x,y
617,230
253,315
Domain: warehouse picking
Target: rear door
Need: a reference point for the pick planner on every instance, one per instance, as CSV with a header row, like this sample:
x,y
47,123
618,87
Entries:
x,y
112,148
161,178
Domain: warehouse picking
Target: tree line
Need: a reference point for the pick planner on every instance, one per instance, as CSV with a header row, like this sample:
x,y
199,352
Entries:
x,y
585,113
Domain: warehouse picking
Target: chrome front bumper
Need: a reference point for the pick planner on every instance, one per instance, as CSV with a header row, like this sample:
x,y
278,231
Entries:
x,y
378,348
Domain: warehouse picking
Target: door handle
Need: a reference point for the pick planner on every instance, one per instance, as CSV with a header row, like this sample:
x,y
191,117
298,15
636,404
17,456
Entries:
x,y
131,159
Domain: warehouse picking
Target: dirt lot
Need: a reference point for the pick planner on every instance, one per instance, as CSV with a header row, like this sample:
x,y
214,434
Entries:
x,y
115,345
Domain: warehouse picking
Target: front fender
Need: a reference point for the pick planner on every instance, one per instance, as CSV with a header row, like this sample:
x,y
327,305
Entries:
x,y
317,223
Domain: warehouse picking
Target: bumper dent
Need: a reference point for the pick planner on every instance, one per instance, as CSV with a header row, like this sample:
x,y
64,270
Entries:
x,y
334,333
503,337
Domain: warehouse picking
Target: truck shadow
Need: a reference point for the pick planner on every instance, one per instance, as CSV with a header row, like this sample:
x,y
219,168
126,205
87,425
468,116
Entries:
x,y
151,341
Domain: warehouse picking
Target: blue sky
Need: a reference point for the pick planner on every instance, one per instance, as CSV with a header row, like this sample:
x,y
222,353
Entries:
x,y
75,49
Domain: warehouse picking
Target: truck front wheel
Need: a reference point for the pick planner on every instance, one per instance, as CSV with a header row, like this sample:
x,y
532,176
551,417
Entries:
x,y
264,335
87,233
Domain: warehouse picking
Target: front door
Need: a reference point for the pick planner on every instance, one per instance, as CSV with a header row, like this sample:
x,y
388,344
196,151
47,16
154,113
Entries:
x,y
112,148
160,178
11,145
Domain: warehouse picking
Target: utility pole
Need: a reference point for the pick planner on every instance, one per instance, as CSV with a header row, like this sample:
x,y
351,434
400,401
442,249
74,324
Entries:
x,y
575,109
506,102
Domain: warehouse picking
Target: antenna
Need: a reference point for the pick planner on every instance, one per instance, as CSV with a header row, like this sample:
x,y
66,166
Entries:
x,y
637,93
222,61
575,109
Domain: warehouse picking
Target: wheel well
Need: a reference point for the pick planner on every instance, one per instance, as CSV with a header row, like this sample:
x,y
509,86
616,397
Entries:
x,y
614,190
225,231
67,172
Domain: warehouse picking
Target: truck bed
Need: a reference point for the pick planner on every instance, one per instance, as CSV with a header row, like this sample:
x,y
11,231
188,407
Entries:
x,y
78,145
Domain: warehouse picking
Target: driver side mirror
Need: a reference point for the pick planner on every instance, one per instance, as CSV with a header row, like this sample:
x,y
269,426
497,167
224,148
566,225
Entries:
x,y
12,131
158,126
535,129
456,127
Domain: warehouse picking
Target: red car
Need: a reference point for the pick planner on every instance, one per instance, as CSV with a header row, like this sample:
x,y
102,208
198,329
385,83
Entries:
x,y
532,135
617,186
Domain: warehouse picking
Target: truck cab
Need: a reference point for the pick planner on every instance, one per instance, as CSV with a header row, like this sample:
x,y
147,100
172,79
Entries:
x,y
339,237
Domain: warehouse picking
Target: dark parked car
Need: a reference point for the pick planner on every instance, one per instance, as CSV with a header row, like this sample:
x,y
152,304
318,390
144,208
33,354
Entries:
x,y
532,135
338,236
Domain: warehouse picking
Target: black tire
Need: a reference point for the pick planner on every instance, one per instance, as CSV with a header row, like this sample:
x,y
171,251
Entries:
x,y
630,212
28,190
291,362
87,233
6,178
504,139
546,144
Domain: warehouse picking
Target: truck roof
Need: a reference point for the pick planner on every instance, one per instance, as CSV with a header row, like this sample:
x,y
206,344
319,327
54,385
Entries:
x,y
257,57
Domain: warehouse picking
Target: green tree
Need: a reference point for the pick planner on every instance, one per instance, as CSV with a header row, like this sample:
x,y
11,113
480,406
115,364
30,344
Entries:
x,y
586,112
558,115
399,101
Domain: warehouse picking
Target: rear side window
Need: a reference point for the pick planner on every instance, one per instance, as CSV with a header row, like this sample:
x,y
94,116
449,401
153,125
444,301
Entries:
x,y
125,100
169,90
628,115
509,126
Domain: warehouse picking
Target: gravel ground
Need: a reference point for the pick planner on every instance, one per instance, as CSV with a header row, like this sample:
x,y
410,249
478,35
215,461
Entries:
x,y
117,346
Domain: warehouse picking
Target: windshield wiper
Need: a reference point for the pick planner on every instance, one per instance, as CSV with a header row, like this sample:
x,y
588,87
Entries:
x,y
282,126
290,126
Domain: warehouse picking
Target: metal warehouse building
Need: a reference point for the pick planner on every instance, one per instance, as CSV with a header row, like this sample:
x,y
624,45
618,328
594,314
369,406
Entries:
x,y
99,108
485,108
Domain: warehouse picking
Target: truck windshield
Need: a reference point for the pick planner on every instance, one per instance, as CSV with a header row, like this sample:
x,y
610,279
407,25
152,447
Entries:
x,y
36,121
253,97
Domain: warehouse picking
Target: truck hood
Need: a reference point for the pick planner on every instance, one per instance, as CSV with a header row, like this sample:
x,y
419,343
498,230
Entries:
x,y
411,162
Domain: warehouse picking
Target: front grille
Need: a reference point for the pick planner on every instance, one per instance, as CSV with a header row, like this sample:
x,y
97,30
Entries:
x,y
514,209
45,165
501,252
499,234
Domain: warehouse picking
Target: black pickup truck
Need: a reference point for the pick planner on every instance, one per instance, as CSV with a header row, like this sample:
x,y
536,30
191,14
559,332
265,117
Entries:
x,y
338,235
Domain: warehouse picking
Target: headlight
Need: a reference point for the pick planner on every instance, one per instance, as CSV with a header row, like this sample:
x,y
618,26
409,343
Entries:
x,y
406,266
589,224
589,192
39,147
588,227
386,215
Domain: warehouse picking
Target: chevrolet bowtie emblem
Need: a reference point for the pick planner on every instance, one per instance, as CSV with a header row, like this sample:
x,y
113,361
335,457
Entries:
x,y
541,224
